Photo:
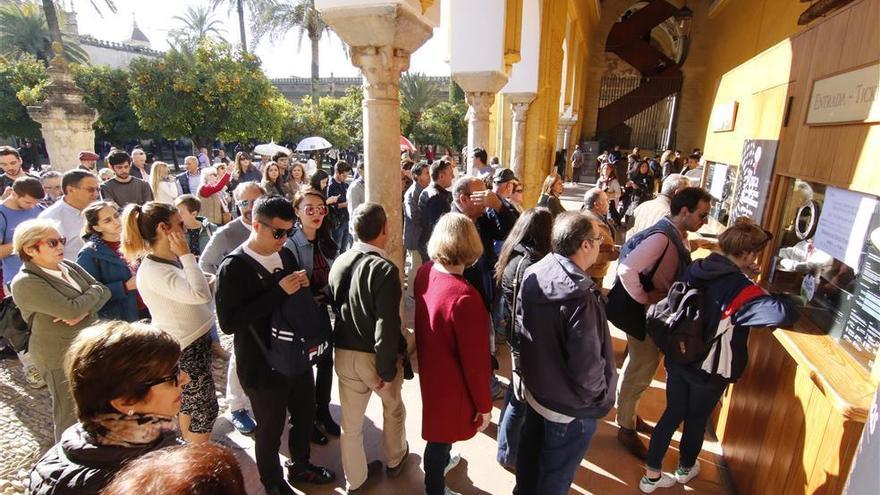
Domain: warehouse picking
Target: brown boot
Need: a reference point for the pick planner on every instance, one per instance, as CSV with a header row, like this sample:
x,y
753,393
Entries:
x,y
643,427
631,441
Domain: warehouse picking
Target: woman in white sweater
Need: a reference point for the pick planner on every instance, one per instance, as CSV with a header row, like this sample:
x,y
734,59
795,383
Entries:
x,y
180,300
163,184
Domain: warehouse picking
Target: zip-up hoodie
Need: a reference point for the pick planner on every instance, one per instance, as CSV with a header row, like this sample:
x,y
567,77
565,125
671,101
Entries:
x,y
722,281
566,354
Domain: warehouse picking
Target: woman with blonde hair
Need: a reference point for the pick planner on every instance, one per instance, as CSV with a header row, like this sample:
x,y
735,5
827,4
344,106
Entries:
x,y
180,300
212,196
453,351
58,298
693,390
550,191
163,184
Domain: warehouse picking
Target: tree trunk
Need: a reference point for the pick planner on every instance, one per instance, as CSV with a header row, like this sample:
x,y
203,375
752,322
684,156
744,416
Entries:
x,y
314,41
173,143
52,21
240,8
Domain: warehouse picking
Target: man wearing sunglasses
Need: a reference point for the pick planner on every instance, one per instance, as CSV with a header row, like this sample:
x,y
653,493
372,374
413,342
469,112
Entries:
x,y
649,263
246,300
80,189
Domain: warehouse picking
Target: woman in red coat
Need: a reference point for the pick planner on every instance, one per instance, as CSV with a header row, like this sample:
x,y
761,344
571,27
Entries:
x,y
453,350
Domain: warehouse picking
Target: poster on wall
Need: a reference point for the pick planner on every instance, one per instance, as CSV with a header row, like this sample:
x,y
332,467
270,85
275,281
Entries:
x,y
753,181
843,224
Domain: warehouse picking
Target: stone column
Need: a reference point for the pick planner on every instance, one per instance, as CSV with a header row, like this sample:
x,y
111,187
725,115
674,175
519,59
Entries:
x,y
381,67
65,121
520,103
479,108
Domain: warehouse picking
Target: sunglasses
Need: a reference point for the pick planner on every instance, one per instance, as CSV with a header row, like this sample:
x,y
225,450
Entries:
x,y
243,203
279,233
314,210
53,243
173,377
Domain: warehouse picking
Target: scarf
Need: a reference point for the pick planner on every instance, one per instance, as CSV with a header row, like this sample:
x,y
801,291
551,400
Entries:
x,y
128,431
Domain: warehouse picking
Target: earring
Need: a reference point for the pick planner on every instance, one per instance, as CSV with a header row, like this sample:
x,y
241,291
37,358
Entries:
x,y
130,412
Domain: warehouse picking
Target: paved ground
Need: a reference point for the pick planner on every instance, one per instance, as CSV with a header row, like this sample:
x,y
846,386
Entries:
x,y
25,432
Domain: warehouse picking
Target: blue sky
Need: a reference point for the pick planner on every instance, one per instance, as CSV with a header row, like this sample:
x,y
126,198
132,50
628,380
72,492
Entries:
x,y
282,58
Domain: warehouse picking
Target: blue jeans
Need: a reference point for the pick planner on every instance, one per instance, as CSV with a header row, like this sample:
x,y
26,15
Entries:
x,y
549,453
691,399
341,236
510,428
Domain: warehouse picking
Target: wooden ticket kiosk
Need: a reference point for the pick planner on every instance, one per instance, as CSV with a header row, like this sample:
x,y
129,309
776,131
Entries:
x,y
792,424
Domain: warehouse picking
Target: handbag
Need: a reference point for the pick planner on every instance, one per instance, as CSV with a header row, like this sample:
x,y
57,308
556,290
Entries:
x,y
13,328
626,313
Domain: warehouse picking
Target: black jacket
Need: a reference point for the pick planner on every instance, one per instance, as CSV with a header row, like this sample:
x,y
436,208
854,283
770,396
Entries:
x,y
78,466
528,258
434,201
245,304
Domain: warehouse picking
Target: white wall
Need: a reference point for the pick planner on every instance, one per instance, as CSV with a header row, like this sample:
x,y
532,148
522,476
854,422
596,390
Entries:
x,y
524,76
117,59
476,35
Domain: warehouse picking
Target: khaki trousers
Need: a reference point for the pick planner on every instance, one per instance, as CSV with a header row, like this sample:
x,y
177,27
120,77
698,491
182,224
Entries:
x,y
638,370
415,262
357,382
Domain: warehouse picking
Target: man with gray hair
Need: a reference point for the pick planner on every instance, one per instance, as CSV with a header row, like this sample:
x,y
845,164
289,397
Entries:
x,y
596,207
139,167
650,212
188,182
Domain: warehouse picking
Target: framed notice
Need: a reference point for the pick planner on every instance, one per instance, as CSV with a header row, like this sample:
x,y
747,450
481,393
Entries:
x,y
847,97
724,116
753,181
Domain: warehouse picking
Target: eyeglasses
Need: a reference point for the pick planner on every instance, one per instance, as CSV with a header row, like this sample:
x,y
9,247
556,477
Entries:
x,y
279,233
243,203
173,377
53,243
314,210
595,239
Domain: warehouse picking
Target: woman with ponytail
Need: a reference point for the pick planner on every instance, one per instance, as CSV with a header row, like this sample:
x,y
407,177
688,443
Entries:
x,y
180,299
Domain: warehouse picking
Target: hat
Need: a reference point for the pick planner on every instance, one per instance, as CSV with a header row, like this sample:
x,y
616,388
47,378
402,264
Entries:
x,y
503,175
87,155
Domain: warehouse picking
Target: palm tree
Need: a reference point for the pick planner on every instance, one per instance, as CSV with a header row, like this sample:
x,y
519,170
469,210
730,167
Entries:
x,y
253,5
277,17
417,94
24,30
198,24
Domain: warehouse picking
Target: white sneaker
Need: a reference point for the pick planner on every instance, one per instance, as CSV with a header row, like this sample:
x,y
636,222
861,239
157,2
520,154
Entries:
x,y
454,459
33,379
450,492
648,486
683,475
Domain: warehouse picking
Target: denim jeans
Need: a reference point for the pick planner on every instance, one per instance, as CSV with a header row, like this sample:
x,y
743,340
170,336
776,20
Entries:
x,y
549,453
436,458
690,399
510,428
341,236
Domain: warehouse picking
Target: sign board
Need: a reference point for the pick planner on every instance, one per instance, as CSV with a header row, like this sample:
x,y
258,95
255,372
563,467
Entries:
x,y
846,98
724,116
753,181
843,224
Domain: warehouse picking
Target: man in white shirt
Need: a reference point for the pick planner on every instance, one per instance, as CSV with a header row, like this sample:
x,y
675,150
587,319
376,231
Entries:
x,y
80,189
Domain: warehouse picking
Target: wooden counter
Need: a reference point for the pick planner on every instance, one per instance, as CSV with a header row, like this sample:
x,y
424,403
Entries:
x,y
791,425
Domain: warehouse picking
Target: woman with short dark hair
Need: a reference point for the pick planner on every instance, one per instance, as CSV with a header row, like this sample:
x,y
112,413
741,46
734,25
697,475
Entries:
x,y
126,382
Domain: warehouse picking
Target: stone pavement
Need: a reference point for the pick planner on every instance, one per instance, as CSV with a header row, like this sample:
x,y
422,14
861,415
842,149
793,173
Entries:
x,y
25,433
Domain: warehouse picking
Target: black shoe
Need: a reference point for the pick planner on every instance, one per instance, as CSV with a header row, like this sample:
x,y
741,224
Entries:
x,y
329,426
394,472
282,489
373,469
631,441
318,436
316,475
643,427
8,353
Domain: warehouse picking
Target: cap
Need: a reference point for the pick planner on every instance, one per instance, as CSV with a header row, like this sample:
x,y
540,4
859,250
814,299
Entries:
x,y
87,155
503,175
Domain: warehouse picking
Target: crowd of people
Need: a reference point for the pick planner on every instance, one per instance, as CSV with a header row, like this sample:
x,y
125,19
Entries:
x,y
126,282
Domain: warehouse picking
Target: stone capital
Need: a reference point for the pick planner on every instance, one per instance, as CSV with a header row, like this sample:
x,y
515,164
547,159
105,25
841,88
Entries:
x,y
479,105
381,67
520,111
480,82
377,24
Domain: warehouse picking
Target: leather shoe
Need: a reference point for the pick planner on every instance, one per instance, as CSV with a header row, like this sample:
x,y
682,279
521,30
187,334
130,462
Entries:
x,y
373,469
631,441
394,472
643,427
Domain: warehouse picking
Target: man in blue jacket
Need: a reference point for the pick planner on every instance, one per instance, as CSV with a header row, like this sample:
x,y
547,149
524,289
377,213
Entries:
x,y
566,359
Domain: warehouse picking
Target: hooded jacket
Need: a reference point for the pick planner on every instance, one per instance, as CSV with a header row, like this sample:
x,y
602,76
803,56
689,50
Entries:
x,y
566,354
77,465
721,281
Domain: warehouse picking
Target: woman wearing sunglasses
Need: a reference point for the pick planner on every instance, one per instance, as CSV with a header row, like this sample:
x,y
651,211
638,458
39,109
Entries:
x,y
58,299
312,245
180,300
102,258
127,385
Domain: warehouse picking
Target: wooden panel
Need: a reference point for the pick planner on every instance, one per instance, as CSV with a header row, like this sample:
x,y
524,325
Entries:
x,y
816,415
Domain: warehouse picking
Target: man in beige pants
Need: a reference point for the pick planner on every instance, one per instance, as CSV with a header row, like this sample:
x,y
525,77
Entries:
x,y
366,293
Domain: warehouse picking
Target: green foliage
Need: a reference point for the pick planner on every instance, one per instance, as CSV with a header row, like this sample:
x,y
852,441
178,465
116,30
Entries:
x,y
23,31
106,90
196,24
456,94
26,77
336,119
417,93
215,93
443,124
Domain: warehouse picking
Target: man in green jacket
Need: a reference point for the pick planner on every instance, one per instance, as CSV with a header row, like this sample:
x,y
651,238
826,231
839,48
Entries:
x,y
366,293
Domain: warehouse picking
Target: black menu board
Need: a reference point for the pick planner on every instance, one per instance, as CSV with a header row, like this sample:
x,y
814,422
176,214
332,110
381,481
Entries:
x,y
861,334
753,182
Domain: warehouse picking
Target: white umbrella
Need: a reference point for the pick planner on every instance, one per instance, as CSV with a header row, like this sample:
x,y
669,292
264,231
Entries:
x,y
313,143
270,149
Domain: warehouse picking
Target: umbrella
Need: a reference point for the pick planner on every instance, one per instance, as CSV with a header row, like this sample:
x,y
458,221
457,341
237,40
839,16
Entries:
x,y
270,149
406,145
313,143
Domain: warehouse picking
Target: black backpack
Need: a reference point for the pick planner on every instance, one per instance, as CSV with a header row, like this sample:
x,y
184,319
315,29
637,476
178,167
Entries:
x,y
678,324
